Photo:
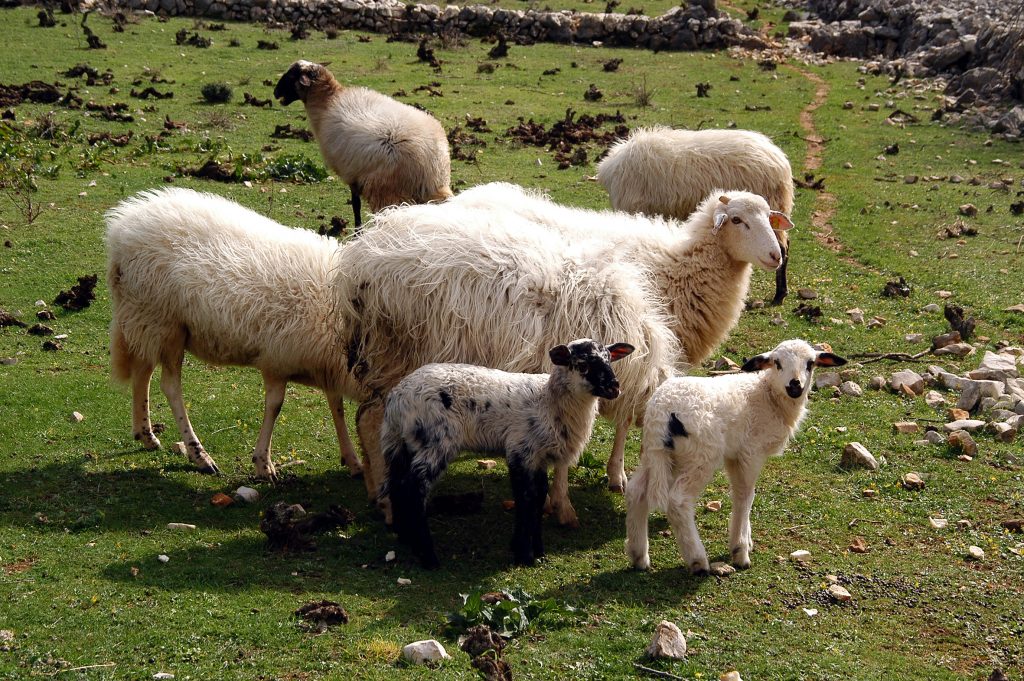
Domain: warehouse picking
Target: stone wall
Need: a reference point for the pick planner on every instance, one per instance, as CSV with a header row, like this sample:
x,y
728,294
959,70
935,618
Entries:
x,y
696,26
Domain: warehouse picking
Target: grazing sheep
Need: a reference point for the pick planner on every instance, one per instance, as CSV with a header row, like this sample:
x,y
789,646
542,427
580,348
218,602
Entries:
x,y
387,151
535,420
694,426
701,268
196,272
660,171
445,283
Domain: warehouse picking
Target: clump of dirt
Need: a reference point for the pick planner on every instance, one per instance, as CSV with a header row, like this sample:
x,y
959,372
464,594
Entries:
x,y
36,92
611,65
432,89
212,170
182,37
78,296
7,319
485,647
259,103
284,132
501,49
954,314
174,125
467,503
811,313
95,138
91,39
150,92
92,75
570,131
40,330
289,528
117,113
336,229
464,146
958,229
898,288
319,615
425,53
593,93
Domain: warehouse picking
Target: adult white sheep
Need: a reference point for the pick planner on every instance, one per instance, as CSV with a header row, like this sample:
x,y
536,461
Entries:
x,y
694,426
387,151
701,268
534,420
196,272
447,283
661,171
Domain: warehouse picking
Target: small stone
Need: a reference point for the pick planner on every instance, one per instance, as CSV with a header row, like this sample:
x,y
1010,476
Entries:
x,y
961,441
958,414
869,493
6,635
486,464
964,524
800,556
857,455
421,652
668,642
839,594
163,675
720,569
956,349
851,389
877,382
913,481
403,581
221,499
827,379
931,308
938,523
726,364
967,458
970,425
389,556
906,427
163,558
944,294
975,553
858,545
935,437
810,612
934,399
181,526
730,676
914,337
876,322
247,494
778,321
911,379
1004,432
968,210
806,294
76,417
713,506
841,429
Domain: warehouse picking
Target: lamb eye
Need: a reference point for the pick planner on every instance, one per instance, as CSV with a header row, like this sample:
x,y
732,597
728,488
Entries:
x,y
810,364
778,365
736,221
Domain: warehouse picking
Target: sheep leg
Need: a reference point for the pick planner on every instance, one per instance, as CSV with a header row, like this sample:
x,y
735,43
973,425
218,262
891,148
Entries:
x,y
408,487
741,490
781,286
348,452
357,205
637,513
170,383
528,490
680,510
616,462
273,398
369,417
558,503
142,429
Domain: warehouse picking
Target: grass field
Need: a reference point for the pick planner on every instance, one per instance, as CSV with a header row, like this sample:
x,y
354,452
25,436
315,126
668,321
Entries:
x,y
83,511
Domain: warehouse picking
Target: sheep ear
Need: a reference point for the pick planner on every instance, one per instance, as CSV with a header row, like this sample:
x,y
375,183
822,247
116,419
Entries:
x,y
719,220
620,350
757,363
827,359
560,355
304,80
780,221
723,198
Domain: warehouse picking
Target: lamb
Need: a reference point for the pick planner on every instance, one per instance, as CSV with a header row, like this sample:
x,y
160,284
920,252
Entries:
x,y
669,172
447,283
535,420
694,426
196,272
387,151
701,268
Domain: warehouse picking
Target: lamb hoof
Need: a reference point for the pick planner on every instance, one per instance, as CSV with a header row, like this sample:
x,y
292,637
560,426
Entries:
x,y
572,523
210,469
698,572
149,441
778,300
617,489
642,564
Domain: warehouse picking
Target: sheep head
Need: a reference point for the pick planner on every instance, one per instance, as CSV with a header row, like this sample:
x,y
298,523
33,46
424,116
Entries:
x,y
589,363
296,81
792,364
746,224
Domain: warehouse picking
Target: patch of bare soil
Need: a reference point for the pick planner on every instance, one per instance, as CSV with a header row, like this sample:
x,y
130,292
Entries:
x,y
78,296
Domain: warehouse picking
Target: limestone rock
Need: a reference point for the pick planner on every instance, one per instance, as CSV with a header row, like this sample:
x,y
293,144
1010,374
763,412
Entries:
x,y
934,399
800,556
839,594
420,652
938,523
857,455
970,425
935,437
913,481
876,382
851,389
906,427
911,379
956,349
667,642
1004,432
827,379
975,553
962,441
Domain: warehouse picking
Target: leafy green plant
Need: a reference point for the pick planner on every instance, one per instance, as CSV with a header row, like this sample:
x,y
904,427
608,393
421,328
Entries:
x,y
508,613
217,93
297,168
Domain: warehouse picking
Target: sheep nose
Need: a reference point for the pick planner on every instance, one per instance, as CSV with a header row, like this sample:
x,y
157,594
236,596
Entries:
x,y
794,389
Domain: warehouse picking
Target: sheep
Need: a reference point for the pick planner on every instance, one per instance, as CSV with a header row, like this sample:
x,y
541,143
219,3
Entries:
x,y
693,426
445,283
535,420
669,172
387,151
196,272
701,267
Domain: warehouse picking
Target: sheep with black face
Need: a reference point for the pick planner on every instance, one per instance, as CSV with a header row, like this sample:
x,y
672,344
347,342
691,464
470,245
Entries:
x,y
694,426
535,420
385,151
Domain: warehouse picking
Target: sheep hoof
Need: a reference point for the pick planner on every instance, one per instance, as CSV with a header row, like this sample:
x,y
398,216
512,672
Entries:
x,y
149,441
356,474
643,564
210,469
617,489
778,299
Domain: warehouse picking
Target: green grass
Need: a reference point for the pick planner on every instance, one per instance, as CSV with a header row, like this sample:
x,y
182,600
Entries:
x,y
83,511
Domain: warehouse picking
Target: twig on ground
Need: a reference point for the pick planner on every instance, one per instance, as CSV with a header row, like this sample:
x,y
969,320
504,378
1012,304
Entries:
x,y
88,666
894,356
656,672
864,520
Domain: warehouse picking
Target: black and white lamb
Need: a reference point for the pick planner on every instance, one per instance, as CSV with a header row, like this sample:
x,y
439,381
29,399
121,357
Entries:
x,y
535,420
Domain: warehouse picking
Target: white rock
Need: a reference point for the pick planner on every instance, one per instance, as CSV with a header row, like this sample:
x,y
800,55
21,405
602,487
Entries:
x,y
800,556
996,367
163,558
420,652
938,523
181,526
163,675
76,417
389,556
720,569
908,378
914,337
975,553
826,379
247,494
906,427
932,308
6,635
179,448
838,593
851,389
730,676
970,425
935,437
857,455
877,382
1004,432
934,399
810,612
403,581
956,349
944,294
667,642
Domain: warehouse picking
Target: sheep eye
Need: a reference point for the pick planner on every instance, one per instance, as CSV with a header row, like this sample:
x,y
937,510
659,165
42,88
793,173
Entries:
x,y
778,365
810,364
736,221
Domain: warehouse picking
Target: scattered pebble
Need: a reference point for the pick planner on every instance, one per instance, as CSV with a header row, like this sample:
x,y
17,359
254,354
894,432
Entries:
x,y
934,399
857,455
839,594
730,676
163,558
713,506
402,581
806,294
914,337
962,442
389,556
975,553
6,635
179,448
877,382
858,545
420,652
720,569
76,417
931,308
800,556
913,481
668,642
486,464
944,294
181,526
970,425
810,612
868,493
163,675
247,494
906,427
938,523
221,499
968,210
851,389
964,524
911,379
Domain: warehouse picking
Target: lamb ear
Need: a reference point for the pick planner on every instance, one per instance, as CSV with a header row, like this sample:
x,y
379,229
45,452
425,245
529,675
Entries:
x,y
757,363
780,221
723,198
827,359
304,80
719,220
560,355
620,350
